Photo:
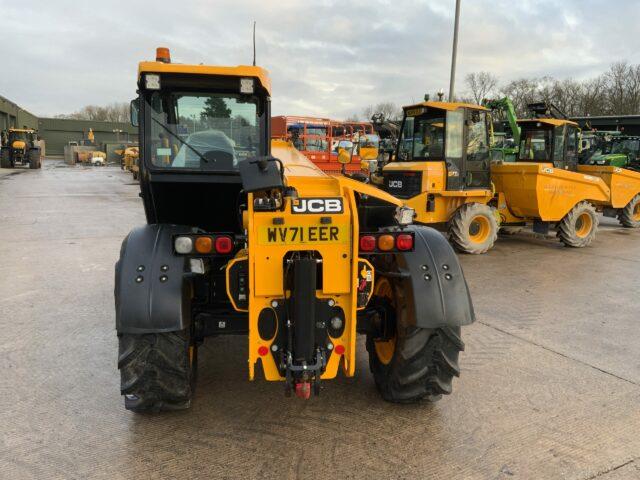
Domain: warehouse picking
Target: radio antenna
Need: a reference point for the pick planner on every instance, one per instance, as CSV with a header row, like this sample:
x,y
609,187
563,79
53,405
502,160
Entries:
x,y
254,43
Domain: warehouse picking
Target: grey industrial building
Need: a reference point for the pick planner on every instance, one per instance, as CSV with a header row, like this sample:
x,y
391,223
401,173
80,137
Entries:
x,y
58,132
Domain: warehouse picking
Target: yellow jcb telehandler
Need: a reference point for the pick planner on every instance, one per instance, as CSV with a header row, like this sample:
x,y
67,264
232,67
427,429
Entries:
x,y
248,237
441,170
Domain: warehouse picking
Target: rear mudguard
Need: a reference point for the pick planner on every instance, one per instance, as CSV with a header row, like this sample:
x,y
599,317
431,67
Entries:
x,y
434,282
152,292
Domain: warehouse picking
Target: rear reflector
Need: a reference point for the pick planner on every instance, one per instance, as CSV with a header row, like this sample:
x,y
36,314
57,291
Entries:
x,y
262,350
224,245
367,243
404,242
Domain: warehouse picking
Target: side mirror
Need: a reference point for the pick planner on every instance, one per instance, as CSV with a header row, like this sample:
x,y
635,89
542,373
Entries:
x,y
134,110
344,157
345,151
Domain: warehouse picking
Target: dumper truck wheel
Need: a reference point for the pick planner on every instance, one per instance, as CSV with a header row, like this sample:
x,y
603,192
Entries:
x,y
629,216
157,371
412,363
473,228
5,159
578,227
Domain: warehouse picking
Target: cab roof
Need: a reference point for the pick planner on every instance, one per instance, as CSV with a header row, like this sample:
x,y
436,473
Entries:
x,y
446,105
555,122
25,130
238,71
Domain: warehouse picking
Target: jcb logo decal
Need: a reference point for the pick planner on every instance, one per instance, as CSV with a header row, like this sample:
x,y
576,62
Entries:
x,y
395,183
317,205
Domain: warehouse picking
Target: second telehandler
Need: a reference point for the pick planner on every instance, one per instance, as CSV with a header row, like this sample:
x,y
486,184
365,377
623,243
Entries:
x,y
441,170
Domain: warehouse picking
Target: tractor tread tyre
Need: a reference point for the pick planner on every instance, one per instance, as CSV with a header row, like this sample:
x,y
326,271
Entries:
x,y
424,360
423,367
626,215
155,371
459,228
566,229
5,159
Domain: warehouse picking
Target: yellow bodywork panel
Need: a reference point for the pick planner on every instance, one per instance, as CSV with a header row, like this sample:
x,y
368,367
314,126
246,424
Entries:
x,y
445,105
623,183
22,130
18,144
541,191
368,153
273,234
240,71
434,181
555,122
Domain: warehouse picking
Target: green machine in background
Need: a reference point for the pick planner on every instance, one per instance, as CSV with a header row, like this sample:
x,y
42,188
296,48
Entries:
x,y
504,147
619,151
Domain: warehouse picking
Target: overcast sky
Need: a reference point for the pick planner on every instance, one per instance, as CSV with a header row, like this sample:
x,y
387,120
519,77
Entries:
x,y
329,58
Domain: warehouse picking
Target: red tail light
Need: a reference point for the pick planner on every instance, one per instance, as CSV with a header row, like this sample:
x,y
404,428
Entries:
x,y
367,243
404,242
224,245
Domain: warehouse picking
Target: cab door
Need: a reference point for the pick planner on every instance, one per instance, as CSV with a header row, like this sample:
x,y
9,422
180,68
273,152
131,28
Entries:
x,y
477,153
454,149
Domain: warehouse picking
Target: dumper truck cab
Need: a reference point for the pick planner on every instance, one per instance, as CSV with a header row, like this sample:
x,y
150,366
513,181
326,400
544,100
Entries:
x,y
21,149
245,236
543,188
441,170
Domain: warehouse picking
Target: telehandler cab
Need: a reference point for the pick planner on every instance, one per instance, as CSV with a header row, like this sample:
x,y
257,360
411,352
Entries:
x,y
248,237
21,149
441,170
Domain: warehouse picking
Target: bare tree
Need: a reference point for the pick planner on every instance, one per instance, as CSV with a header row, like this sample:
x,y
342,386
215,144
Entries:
x,y
113,112
389,110
481,85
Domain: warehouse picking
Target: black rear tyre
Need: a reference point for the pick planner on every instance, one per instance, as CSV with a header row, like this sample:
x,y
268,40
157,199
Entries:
x,y
417,363
157,371
629,216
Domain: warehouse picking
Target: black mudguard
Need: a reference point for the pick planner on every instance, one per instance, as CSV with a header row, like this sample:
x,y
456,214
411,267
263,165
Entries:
x,y
152,290
434,282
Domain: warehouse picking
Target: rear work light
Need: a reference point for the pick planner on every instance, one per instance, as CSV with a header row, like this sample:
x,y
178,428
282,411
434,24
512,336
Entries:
x,y
386,242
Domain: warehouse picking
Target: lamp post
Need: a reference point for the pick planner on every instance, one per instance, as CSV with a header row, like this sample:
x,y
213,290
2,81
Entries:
x,y
452,79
